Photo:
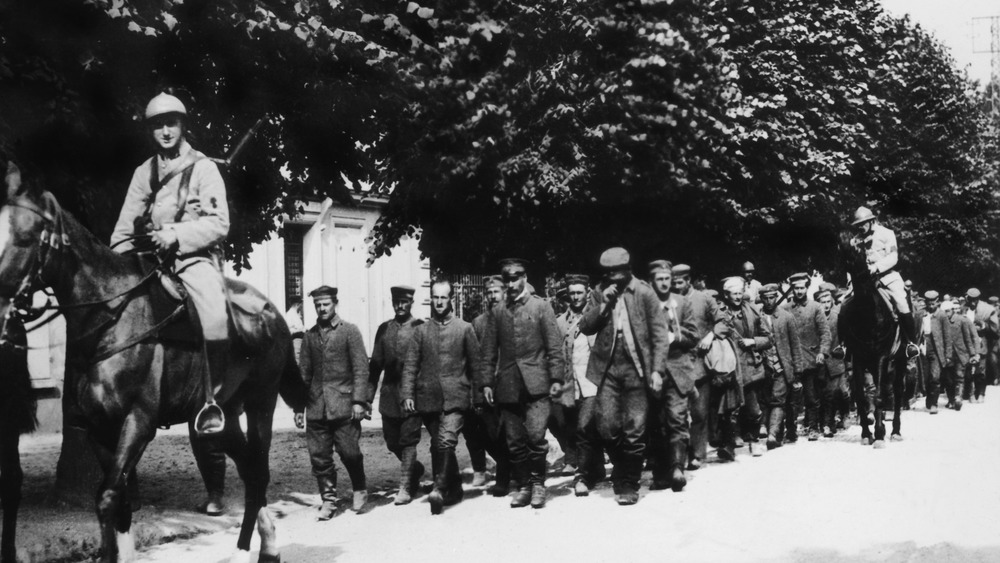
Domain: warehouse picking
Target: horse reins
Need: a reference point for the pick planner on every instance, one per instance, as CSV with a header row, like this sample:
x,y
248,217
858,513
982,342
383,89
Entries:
x,y
55,241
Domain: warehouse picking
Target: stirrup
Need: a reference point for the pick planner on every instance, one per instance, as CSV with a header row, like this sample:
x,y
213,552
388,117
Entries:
x,y
912,351
210,419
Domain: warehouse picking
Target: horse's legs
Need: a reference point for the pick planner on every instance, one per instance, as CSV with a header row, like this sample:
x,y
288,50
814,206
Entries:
x,y
256,477
881,392
11,479
859,390
114,511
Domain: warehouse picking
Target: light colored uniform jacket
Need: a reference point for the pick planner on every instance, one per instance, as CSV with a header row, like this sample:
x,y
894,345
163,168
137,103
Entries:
x,y
881,250
202,228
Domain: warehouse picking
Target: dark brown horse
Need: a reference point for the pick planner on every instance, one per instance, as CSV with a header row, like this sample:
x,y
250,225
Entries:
x,y
124,379
871,336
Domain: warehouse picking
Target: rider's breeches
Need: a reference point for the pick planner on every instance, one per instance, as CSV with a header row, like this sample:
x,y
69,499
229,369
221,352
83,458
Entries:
x,y
894,283
208,293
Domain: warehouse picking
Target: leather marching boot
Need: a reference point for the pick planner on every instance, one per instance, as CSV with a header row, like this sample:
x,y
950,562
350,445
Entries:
x,y
436,498
523,495
210,419
679,459
538,493
909,328
328,494
501,484
453,491
408,463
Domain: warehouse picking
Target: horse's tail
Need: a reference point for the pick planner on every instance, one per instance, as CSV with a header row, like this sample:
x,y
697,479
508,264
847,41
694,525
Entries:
x,y
292,388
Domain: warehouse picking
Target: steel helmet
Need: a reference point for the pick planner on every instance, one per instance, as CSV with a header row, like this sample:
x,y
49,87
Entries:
x,y
164,103
863,215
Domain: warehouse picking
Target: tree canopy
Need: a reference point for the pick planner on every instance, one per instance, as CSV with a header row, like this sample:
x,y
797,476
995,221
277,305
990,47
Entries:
x,y
704,131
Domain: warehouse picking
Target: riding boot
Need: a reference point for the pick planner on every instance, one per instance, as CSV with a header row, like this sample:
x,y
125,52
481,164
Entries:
x,y
210,419
328,494
408,463
909,328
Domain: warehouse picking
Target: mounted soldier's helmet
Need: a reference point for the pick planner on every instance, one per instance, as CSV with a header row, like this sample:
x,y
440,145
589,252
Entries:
x,y
862,216
163,104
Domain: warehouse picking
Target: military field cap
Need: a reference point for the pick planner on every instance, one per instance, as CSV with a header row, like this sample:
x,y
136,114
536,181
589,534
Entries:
x,y
801,276
821,292
827,286
615,257
908,284
947,306
973,293
493,281
402,292
931,294
163,104
770,288
577,279
748,267
680,270
513,265
994,300
324,291
659,266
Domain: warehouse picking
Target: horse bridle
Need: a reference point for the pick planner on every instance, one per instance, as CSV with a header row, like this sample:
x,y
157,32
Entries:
x,y
20,301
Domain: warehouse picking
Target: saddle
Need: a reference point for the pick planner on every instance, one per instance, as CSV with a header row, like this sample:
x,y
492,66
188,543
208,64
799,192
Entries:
x,y
247,311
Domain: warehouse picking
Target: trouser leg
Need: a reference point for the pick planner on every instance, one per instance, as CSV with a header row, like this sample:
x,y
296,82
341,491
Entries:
x,y
346,438
525,427
475,441
810,393
933,381
210,456
590,466
699,407
750,412
562,425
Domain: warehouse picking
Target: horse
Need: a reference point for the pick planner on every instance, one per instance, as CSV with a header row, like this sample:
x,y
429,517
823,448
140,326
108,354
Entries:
x,y
871,335
17,417
124,378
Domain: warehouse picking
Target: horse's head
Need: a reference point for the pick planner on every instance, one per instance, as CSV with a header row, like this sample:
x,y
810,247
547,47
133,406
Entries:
x,y
855,261
29,227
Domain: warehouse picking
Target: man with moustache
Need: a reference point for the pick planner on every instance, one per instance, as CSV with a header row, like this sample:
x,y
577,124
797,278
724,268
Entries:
x,y
627,362
523,369
577,347
483,427
709,323
668,428
779,363
441,365
401,431
334,364
752,290
814,347
935,331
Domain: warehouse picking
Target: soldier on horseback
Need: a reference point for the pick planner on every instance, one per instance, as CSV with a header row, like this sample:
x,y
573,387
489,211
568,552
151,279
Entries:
x,y
178,198
878,244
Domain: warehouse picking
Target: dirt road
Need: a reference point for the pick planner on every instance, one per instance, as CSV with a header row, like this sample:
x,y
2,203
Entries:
x,y
933,497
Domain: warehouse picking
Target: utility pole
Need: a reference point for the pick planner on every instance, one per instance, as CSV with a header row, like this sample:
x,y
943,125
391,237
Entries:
x,y
989,26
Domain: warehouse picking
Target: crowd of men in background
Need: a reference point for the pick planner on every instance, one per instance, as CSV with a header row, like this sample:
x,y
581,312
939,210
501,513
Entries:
x,y
648,372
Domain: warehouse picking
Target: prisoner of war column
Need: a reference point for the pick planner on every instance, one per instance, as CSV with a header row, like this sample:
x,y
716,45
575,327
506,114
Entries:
x,y
627,362
401,431
441,365
334,366
523,369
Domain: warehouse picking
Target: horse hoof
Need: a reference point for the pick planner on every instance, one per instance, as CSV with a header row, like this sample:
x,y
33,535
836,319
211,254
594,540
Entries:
x,y
267,558
879,444
896,438
865,441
